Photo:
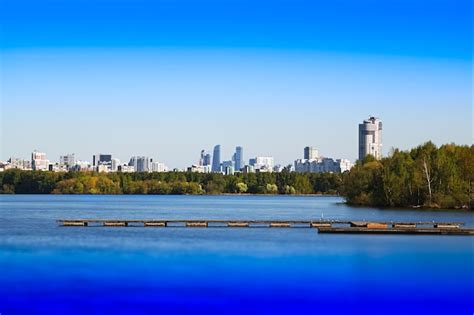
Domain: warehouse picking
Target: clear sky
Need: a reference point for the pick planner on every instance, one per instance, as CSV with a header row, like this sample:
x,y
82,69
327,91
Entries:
x,y
167,78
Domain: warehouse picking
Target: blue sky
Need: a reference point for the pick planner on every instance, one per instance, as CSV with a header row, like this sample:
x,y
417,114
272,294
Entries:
x,y
167,78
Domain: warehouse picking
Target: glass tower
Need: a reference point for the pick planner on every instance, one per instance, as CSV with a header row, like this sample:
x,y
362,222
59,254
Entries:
x,y
239,158
216,159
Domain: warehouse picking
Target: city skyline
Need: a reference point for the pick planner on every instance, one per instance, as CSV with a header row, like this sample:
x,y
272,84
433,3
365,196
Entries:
x,y
165,78
369,142
108,159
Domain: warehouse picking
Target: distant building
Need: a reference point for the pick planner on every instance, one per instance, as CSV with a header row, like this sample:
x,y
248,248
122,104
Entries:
x,y
248,169
238,158
19,164
263,163
102,159
125,168
226,164
67,161
229,170
205,158
252,162
141,163
56,168
199,169
344,165
310,153
322,165
115,165
158,167
370,138
102,168
81,166
39,161
317,164
216,159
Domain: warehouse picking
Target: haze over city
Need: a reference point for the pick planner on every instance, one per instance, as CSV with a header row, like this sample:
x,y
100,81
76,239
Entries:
x,y
272,77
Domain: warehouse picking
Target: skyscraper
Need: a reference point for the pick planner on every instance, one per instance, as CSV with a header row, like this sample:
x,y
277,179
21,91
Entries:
x,y
205,158
216,159
370,138
310,153
239,158
201,158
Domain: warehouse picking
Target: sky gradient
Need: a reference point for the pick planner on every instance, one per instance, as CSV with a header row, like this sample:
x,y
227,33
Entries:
x,y
168,78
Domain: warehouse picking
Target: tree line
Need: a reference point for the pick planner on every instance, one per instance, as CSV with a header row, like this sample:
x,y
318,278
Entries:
x,y
40,182
426,176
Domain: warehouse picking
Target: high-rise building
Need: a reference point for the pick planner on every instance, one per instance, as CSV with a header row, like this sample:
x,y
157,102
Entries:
x,y
205,158
238,158
201,158
370,138
310,153
67,161
102,159
216,159
39,161
141,163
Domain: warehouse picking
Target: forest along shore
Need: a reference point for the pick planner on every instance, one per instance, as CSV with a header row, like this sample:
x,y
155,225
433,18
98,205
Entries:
x,y
424,177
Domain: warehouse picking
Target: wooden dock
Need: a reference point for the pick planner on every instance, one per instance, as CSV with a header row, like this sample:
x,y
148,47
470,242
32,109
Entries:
x,y
418,231
323,226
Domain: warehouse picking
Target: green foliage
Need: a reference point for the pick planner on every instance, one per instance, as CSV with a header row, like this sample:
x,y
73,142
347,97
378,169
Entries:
x,y
289,190
30,182
425,176
271,189
241,188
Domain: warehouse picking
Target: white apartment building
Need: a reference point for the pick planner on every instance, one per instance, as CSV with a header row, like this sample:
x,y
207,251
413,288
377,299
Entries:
x,y
39,161
263,163
161,167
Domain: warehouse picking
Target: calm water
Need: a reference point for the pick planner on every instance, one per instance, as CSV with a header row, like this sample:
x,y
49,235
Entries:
x,y
47,269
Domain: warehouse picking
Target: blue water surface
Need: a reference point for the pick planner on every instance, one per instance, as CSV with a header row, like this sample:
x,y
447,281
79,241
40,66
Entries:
x,y
49,269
